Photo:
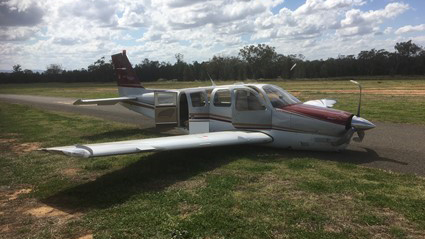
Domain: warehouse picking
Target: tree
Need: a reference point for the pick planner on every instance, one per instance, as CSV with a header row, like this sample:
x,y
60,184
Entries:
x,y
17,68
101,70
260,58
179,57
53,69
179,67
407,48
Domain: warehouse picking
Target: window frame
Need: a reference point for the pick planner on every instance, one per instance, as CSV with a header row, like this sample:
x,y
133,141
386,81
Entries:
x,y
203,100
251,93
221,104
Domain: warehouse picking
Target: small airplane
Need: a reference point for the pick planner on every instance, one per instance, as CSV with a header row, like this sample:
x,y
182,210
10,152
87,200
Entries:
x,y
225,115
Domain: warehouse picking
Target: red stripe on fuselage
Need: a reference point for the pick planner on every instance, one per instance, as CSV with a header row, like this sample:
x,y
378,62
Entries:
x,y
321,113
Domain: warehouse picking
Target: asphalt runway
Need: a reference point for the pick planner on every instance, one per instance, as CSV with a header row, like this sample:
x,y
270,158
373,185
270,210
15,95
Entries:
x,y
394,147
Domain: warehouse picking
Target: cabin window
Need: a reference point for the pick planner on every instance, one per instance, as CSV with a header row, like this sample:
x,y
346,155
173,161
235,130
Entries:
x,y
166,98
222,98
198,99
247,101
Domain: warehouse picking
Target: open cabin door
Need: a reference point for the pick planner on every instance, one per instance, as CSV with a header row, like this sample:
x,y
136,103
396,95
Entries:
x,y
199,112
249,110
165,109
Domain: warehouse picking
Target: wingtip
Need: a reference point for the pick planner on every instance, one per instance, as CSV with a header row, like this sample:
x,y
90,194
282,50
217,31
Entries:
x,y
75,152
78,102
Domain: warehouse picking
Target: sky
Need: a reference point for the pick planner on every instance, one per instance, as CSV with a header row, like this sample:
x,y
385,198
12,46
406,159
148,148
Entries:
x,y
76,33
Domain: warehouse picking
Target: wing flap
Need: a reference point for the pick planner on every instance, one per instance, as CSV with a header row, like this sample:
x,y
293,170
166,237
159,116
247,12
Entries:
x,y
163,144
327,103
105,101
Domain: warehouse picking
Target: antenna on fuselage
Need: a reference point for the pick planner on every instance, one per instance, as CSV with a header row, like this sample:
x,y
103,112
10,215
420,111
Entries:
x,y
212,82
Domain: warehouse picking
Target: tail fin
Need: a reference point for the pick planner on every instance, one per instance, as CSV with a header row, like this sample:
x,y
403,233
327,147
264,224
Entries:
x,y
128,82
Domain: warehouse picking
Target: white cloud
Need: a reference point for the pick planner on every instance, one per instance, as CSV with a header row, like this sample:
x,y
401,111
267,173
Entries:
x,y
75,33
410,28
357,22
314,6
388,30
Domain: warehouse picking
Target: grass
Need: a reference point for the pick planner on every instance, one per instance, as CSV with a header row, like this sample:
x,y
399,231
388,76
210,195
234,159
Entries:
x,y
384,100
230,192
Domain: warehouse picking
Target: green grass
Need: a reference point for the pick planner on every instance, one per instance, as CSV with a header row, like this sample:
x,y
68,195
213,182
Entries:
x,y
384,104
230,192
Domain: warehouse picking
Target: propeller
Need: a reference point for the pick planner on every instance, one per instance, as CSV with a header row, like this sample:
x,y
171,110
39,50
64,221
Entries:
x,y
357,122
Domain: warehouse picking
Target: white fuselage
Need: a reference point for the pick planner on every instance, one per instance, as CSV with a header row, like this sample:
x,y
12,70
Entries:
x,y
244,107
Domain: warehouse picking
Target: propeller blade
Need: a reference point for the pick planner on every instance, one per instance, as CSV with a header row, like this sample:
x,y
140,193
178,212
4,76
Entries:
x,y
360,135
293,66
360,96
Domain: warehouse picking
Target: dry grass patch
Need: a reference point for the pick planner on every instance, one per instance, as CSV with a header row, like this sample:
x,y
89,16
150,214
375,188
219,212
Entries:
x,y
16,193
13,145
17,213
70,172
41,217
88,236
187,209
48,211
188,185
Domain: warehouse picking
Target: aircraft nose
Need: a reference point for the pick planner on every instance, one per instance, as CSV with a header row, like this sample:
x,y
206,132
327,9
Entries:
x,y
360,123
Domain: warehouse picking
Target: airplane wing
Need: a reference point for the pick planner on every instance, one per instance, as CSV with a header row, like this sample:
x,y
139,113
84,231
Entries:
x,y
105,101
204,140
327,103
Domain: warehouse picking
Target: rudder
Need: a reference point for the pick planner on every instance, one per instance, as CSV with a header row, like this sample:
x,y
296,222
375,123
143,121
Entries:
x,y
127,80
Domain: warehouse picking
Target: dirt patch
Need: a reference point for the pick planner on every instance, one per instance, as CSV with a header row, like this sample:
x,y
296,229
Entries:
x,y
12,145
17,212
70,172
25,147
7,141
16,193
88,236
47,211
6,195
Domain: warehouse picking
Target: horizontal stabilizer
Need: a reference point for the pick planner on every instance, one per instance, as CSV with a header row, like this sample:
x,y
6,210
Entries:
x,y
163,144
105,101
327,103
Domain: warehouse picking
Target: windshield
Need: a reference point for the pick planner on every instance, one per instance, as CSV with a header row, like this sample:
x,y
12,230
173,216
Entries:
x,y
279,97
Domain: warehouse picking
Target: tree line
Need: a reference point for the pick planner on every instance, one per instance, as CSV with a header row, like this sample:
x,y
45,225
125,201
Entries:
x,y
252,62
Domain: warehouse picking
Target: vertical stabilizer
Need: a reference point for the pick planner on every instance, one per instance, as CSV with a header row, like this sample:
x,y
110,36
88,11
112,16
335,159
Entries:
x,y
128,82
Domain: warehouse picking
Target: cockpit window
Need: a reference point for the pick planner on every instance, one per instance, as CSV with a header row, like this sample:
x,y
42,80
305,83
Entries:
x,y
279,97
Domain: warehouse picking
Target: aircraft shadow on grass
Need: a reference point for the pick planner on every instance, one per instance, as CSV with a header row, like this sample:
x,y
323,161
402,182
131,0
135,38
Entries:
x,y
157,171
